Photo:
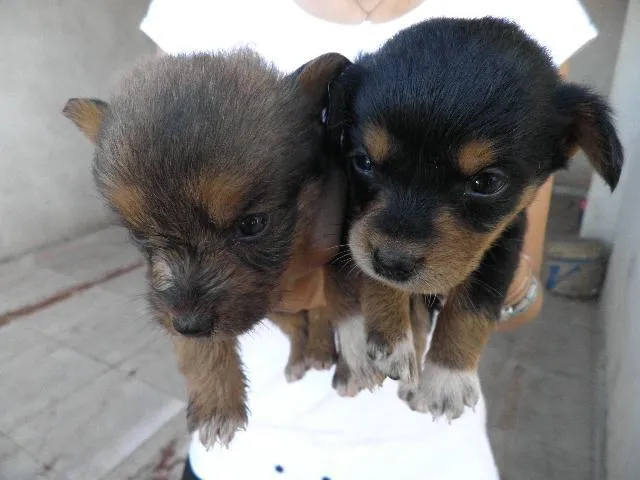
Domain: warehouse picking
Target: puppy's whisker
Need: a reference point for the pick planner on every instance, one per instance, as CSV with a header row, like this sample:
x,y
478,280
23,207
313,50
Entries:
x,y
337,247
342,256
353,269
487,286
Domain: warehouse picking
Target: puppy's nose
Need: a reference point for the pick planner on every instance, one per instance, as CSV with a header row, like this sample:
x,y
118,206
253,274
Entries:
x,y
394,265
191,325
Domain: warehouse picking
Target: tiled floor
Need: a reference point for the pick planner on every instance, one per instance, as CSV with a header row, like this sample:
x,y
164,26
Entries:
x,y
539,393
540,383
87,380
89,388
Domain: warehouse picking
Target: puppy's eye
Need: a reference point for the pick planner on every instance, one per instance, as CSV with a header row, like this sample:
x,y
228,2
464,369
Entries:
x,y
136,237
487,183
362,163
253,225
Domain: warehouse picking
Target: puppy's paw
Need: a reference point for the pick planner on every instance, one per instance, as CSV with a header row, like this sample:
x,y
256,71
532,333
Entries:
x,y
221,430
349,382
218,427
443,391
320,358
343,383
395,361
406,391
294,371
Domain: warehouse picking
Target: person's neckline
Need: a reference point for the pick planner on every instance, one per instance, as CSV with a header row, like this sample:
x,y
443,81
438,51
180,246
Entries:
x,y
411,6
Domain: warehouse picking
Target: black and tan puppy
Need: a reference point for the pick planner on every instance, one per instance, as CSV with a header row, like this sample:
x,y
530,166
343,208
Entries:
x,y
450,129
215,164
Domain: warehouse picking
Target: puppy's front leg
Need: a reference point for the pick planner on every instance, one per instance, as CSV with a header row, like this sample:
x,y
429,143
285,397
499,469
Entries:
x,y
449,380
216,386
354,370
390,343
420,314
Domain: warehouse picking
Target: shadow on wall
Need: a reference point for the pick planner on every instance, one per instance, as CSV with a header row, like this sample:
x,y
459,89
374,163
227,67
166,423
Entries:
x,y
52,51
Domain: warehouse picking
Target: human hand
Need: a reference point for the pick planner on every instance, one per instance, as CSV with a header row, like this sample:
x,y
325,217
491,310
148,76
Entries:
x,y
304,293
304,281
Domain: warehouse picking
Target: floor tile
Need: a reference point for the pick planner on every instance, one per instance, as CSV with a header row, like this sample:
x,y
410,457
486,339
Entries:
x,y
526,459
22,283
17,464
111,330
130,285
70,314
85,258
156,365
16,339
39,276
37,378
161,458
549,408
97,427
567,421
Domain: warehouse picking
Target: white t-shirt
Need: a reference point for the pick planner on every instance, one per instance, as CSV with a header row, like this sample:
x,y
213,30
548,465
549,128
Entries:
x,y
305,431
289,36
311,433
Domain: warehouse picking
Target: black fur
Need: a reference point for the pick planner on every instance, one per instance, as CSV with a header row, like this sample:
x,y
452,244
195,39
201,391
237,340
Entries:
x,y
434,88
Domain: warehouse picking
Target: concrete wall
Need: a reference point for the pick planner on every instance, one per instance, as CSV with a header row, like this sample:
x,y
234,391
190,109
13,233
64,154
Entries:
x,y
594,65
52,51
617,219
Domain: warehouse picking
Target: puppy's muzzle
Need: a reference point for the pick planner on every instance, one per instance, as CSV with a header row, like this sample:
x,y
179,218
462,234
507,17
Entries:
x,y
395,265
191,325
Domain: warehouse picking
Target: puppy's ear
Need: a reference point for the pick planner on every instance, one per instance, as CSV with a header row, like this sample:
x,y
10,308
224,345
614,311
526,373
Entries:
x,y
88,115
319,79
588,125
315,76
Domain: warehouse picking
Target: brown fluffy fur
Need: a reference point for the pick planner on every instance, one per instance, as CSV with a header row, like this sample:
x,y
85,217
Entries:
x,y
191,152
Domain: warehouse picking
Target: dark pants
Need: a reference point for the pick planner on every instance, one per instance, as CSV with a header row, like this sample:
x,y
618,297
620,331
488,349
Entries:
x,y
188,473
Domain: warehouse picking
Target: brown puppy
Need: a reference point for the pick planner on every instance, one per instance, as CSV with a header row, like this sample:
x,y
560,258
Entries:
x,y
215,164
449,130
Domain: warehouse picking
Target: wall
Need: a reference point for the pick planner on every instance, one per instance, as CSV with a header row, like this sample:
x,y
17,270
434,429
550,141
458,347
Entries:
x,y
52,51
620,223
55,50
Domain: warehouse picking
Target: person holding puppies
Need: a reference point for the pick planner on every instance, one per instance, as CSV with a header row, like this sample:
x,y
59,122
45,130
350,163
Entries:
x,y
291,423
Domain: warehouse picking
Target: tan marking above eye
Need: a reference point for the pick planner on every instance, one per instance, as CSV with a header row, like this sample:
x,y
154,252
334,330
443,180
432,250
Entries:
x,y
130,203
222,195
378,143
475,156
